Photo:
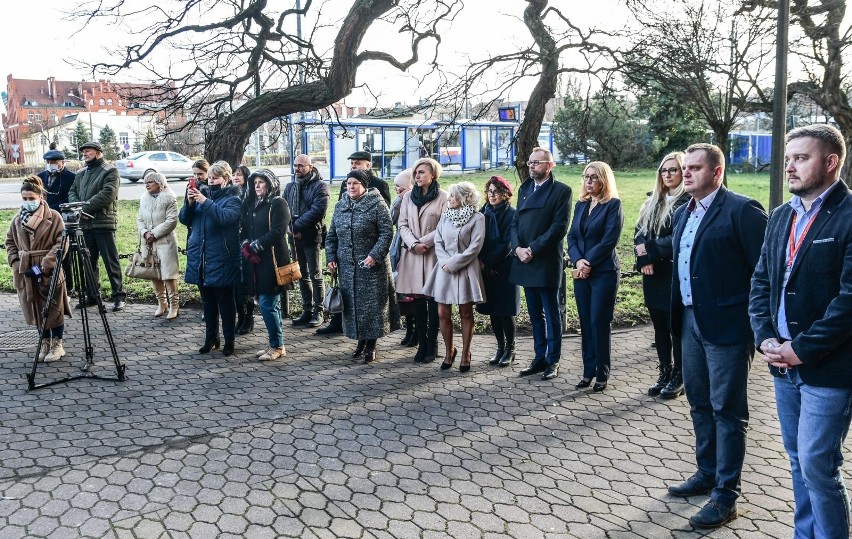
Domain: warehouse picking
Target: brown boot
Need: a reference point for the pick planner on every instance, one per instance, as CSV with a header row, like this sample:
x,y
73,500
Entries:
x,y
162,303
174,299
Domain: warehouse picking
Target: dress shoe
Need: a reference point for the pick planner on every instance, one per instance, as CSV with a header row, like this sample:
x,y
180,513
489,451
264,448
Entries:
x,y
693,486
329,329
228,349
445,365
713,515
537,366
303,319
209,345
674,388
598,387
359,348
583,383
551,372
118,305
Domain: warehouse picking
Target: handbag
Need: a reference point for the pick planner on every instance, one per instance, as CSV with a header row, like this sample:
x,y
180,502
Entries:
x,y
145,266
285,275
333,300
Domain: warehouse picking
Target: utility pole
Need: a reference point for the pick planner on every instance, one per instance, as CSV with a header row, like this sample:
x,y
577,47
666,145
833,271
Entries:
x,y
779,107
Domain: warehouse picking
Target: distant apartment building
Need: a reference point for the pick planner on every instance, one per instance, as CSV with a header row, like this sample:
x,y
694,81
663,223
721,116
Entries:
x,y
39,112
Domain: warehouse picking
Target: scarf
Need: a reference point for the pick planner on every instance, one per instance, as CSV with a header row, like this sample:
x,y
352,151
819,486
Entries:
x,y
31,220
420,199
494,210
460,216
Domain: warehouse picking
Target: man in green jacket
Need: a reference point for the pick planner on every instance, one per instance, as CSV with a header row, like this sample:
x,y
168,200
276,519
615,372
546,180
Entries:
x,y
96,184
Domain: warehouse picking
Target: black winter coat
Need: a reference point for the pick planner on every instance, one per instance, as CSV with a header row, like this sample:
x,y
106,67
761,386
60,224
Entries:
x,y
57,187
213,248
266,223
503,297
309,216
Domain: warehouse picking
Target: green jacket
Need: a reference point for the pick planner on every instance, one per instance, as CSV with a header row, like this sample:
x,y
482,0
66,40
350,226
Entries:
x,y
97,186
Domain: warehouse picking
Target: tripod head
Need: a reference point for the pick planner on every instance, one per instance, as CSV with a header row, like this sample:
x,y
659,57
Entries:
x,y
71,213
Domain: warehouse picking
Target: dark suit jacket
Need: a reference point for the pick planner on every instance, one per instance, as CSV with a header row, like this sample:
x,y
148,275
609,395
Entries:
x,y
540,223
594,236
726,249
818,297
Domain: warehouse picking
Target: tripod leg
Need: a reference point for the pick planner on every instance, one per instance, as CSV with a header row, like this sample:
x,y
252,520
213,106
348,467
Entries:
x,y
50,302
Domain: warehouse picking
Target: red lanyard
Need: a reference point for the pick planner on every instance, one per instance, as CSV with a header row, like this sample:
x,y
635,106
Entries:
x,y
794,245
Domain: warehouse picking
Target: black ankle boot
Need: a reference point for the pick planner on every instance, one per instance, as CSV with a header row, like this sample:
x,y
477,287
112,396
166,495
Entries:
x,y
228,349
248,322
662,381
359,349
409,333
674,388
370,351
241,314
209,344
509,355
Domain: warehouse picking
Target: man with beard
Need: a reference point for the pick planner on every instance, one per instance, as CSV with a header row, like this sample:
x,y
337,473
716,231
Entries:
x,y
96,184
307,197
358,161
538,233
801,315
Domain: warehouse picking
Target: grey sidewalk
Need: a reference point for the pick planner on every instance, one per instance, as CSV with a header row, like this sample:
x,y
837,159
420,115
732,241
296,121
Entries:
x,y
320,445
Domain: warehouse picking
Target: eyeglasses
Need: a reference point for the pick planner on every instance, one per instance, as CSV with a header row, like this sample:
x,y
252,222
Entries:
x,y
493,192
591,178
669,171
537,163
299,165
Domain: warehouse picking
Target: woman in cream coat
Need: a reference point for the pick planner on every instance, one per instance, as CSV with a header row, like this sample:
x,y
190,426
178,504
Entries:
x,y
418,217
156,222
456,278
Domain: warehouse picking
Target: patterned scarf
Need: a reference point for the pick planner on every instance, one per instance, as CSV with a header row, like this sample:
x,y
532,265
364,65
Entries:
x,y
460,216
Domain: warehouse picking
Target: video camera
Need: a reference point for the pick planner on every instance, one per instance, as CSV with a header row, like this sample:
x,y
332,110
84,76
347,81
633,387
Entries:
x,y
71,213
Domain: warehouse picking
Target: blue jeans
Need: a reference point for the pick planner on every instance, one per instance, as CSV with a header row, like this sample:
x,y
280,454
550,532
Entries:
x,y
546,320
814,425
716,381
270,311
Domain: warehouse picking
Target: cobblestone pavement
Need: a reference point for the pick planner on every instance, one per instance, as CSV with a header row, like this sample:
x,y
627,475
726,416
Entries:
x,y
319,445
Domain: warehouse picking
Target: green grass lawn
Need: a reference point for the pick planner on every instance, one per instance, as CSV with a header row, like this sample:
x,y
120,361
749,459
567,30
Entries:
x,y
632,186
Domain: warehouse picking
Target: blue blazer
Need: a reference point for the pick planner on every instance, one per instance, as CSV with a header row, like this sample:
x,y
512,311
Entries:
x,y
594,236
724,254
540,223
818,296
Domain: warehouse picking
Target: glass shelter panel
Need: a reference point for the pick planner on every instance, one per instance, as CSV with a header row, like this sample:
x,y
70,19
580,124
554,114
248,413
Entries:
x,y
472,145
344,145
394,152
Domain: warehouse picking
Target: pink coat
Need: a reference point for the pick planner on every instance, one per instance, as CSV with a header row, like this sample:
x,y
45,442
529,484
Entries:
x,y
458,249
417,226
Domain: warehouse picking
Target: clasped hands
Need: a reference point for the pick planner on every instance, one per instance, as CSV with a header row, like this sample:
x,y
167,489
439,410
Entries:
x,y
524,254
584,269
779,354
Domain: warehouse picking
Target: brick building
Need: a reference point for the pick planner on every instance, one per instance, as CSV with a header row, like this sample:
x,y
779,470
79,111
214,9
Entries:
x,y
42,105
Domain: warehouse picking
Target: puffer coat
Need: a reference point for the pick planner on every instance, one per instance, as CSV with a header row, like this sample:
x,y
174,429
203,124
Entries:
x,y
159,216
35,244
361,228
213,249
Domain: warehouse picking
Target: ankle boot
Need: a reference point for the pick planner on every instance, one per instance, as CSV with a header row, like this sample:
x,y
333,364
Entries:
x,y
662,380
248,322
162,302
509,355
174,299
45,348
420,318
57,351
674,388
409,332
359,348
501,350
241,314
209,344
370,351
431,347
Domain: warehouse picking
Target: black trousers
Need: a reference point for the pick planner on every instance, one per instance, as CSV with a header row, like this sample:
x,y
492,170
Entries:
x,y
667,347
219,301
311,284
101,244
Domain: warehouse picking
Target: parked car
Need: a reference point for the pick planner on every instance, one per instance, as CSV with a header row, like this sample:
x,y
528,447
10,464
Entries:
x,y
169,164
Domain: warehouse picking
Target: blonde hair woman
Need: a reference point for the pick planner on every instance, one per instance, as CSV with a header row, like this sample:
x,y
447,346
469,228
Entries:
x,y
592,240
156,223
652,241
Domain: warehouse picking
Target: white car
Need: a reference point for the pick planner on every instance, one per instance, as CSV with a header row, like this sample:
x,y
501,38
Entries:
x,y
169,164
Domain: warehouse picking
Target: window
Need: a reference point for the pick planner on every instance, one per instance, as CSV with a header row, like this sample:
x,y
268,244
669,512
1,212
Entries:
x,y
177,157
123,138
38,116
157,157
109,102
30,116
101,102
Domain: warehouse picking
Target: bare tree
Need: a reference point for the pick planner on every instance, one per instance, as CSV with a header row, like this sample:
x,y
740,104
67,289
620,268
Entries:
x,y
697,51
247,65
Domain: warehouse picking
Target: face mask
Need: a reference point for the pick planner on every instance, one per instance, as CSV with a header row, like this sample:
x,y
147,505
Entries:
x,y
53,168
30,205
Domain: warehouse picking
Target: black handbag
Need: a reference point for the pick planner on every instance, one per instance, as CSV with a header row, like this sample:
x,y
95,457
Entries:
x,y
333,300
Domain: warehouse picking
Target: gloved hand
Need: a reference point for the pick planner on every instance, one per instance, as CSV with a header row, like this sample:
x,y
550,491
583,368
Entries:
x,y
31,272
255,247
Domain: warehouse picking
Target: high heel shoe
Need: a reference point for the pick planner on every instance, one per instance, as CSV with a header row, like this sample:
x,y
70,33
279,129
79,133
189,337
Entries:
x,y
584,383
452,358
370,355
209,345
228,350
359,349
599,386
465,367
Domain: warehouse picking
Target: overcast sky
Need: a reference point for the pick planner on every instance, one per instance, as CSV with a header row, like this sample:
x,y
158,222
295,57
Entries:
x,y
40,49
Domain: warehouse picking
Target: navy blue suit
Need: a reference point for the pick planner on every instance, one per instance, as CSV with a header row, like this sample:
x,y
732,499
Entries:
x,y
594,237
715,333
540,224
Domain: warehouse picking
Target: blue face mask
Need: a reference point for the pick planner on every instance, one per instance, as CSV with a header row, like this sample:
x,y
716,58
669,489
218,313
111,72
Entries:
x,y
30,205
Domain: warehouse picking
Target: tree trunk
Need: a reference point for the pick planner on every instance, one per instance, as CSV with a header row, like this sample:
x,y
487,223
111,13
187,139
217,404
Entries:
x,y
545,89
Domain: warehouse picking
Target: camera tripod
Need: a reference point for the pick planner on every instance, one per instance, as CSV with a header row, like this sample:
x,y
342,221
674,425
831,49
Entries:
x,y
73,245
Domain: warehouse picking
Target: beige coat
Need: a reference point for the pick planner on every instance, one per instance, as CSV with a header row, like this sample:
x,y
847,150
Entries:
x,y
26,248
160,216
458,249
417,227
